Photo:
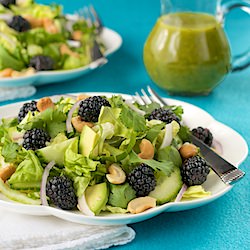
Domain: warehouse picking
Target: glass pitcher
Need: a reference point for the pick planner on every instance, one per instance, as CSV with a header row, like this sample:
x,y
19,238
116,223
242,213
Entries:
x,y
187,52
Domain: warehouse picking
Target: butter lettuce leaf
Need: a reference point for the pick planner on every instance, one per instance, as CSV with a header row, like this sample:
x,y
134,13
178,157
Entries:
x,y
78,168
195,192
28,174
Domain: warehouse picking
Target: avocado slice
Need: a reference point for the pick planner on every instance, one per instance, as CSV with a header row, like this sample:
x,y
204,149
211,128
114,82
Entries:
x,y
96,197
167,187
55,152
88,142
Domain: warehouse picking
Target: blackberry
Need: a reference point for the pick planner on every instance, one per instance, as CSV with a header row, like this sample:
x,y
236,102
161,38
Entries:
x,y
35,138
61,192
89,109
194,170
165,115
142,180
19,24
28,106
40,63
204,135
7,3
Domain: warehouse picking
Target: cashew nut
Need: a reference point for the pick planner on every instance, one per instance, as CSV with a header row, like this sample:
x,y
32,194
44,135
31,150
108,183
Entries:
x,y
6,172
77,35
82,97
49,26
116,174
27,72
188,150
6,72
78,123
147,149
44,103
64,49
141,204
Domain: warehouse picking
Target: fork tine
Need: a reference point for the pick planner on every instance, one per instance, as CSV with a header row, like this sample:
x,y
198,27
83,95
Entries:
x,y
139,99
156,97
146,98
87,16
98,23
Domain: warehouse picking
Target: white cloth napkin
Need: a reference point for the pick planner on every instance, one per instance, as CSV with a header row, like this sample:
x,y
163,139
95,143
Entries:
x,y
19,231
7,94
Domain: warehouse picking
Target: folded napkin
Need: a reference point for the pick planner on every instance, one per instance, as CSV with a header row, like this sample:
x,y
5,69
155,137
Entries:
x,y
7,94
19,231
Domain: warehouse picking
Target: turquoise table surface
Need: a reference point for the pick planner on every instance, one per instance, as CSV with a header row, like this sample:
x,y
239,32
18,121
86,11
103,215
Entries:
x,y
225,223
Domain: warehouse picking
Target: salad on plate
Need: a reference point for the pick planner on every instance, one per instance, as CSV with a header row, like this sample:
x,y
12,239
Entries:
x,y
97,154
36,37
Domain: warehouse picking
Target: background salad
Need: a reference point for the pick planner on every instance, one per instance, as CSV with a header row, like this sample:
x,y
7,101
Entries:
x,y
35,37
100,154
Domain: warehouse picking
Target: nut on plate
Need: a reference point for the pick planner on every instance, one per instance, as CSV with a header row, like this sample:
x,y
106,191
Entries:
x,y
139,205
147,149
6,172
44,103
6,72
78,123
82,97
116,174
188,150
77,35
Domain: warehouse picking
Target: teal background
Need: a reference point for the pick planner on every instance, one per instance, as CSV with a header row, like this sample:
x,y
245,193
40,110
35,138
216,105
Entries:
x,y
225,223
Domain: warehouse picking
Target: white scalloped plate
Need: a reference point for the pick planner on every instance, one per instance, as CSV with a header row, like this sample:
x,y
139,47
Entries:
x,y
111,39
235,152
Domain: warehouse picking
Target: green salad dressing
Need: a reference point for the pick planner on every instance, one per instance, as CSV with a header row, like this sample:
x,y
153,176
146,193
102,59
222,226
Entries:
x,y
187,53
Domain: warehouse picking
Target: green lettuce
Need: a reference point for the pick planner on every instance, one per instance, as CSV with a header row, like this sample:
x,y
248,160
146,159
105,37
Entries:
x,y
169,153
115,210
78,168
28,174
10,151
195,192
51,120
121,195
131,119
37,10
166,166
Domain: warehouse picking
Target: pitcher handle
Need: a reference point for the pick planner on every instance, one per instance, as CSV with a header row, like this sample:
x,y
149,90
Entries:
x,y
241,61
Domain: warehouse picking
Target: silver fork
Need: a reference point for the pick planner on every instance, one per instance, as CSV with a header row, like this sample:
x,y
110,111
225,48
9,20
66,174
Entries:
x,y
92,18
228,173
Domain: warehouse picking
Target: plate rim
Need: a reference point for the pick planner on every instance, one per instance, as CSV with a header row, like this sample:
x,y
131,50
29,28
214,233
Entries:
x,y
127,218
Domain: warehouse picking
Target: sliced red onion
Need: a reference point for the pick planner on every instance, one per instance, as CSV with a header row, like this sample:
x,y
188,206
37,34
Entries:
x,y
6,17
16,136
168,137
130,104
43,183
181,192
69,126
83,206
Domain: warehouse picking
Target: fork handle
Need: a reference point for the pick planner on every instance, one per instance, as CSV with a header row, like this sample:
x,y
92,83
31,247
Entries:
x,y
219,165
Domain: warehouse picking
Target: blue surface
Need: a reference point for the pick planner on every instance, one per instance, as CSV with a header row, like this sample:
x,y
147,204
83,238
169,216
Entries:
x,y
225,223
